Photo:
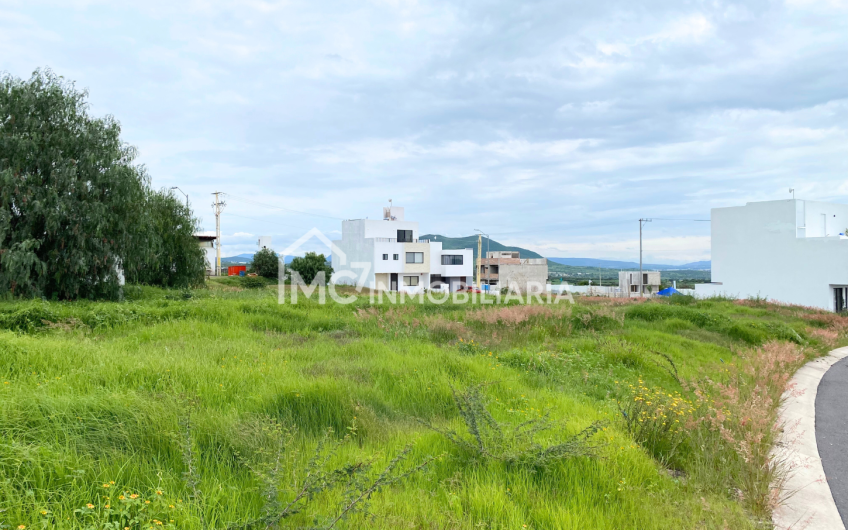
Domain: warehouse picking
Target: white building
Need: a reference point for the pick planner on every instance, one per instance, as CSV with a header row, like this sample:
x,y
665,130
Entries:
x,y
398,260
790,251
207,243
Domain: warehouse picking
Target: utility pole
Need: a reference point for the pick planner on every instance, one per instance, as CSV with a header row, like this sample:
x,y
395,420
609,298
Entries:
x,y
218,207
479,257
641,283
488,265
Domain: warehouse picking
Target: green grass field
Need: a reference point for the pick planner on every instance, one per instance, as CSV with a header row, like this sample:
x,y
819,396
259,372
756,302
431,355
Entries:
x,y
202,409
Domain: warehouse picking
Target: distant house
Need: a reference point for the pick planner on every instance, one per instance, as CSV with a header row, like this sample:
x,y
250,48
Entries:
x,y
629,283
207,243
398,260
502,269
792,251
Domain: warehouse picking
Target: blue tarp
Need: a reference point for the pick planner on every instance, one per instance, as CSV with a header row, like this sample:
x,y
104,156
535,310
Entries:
x,y
668,291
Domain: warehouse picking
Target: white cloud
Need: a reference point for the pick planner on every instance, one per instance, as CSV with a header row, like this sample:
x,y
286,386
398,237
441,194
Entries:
x,y
554,127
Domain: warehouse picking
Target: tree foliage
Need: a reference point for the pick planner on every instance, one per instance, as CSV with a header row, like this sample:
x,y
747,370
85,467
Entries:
x,y
173,257
75,212
310,265
266,263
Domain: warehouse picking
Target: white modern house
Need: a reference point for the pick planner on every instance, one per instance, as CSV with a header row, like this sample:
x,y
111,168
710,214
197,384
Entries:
x,y
790,251
397,260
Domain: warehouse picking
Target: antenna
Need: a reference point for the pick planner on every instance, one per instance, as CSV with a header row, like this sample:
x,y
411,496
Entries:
x,y
387,213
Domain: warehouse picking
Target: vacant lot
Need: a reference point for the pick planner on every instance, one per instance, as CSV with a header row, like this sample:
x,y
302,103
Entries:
x,y
219,408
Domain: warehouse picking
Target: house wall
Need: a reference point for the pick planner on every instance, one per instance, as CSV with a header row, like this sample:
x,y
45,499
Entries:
x,y
522,276
423,267
356,249
762,249
391,249
388,229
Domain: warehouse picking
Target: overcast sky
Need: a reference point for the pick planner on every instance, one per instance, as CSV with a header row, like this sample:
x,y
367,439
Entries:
x,y
552,125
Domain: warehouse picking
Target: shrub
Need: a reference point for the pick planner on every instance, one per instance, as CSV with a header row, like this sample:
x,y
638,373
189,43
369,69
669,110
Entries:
x,y
28,319
252,282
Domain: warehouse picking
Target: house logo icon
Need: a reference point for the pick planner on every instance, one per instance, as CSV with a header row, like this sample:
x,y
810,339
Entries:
x,y
334,249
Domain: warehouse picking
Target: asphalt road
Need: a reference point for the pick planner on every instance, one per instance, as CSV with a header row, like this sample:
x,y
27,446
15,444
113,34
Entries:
x,y
832,432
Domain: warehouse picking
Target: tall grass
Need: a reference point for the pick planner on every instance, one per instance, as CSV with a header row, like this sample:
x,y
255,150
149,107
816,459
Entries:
x,y
97,394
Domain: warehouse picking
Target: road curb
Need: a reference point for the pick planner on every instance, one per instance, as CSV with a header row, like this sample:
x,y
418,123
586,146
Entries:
x,y
810,503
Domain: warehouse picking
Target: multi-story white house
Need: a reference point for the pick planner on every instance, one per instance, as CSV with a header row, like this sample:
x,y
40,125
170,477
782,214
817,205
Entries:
x,y
791,251
399,261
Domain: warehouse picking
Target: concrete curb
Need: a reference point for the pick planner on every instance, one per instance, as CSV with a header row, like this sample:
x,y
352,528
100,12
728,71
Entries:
x,y
810,503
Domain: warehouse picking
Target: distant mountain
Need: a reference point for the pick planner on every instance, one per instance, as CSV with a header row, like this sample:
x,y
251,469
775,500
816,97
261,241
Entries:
x,y
611,264
452,243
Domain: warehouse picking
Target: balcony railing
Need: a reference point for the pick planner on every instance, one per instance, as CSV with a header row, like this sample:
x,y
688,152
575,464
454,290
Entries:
x,y
395,240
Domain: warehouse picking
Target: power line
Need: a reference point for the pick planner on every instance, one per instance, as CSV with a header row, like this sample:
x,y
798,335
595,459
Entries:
x,y
694,220
277,223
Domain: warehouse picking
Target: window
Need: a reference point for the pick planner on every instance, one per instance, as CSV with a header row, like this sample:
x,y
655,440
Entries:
x,y
410,281
415,257
634,288
385,257
396,257
452,260
404,236
645,279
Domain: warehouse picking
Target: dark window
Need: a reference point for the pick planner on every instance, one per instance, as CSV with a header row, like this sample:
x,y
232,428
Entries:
x,y
404,236
415,257
410,281
395,257
385,256
450,259
634,288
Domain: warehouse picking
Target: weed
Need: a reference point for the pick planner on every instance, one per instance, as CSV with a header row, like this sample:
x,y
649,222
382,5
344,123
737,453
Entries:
x,y
656,420
512,444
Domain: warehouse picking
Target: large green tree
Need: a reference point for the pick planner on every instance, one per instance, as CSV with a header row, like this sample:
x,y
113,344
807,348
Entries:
x,y
75,212
310,265
266,263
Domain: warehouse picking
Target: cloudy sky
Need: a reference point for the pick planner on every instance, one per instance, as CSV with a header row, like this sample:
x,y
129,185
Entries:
x,y
552,125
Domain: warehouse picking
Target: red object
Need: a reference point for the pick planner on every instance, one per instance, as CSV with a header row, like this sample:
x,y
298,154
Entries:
x,y
234,270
